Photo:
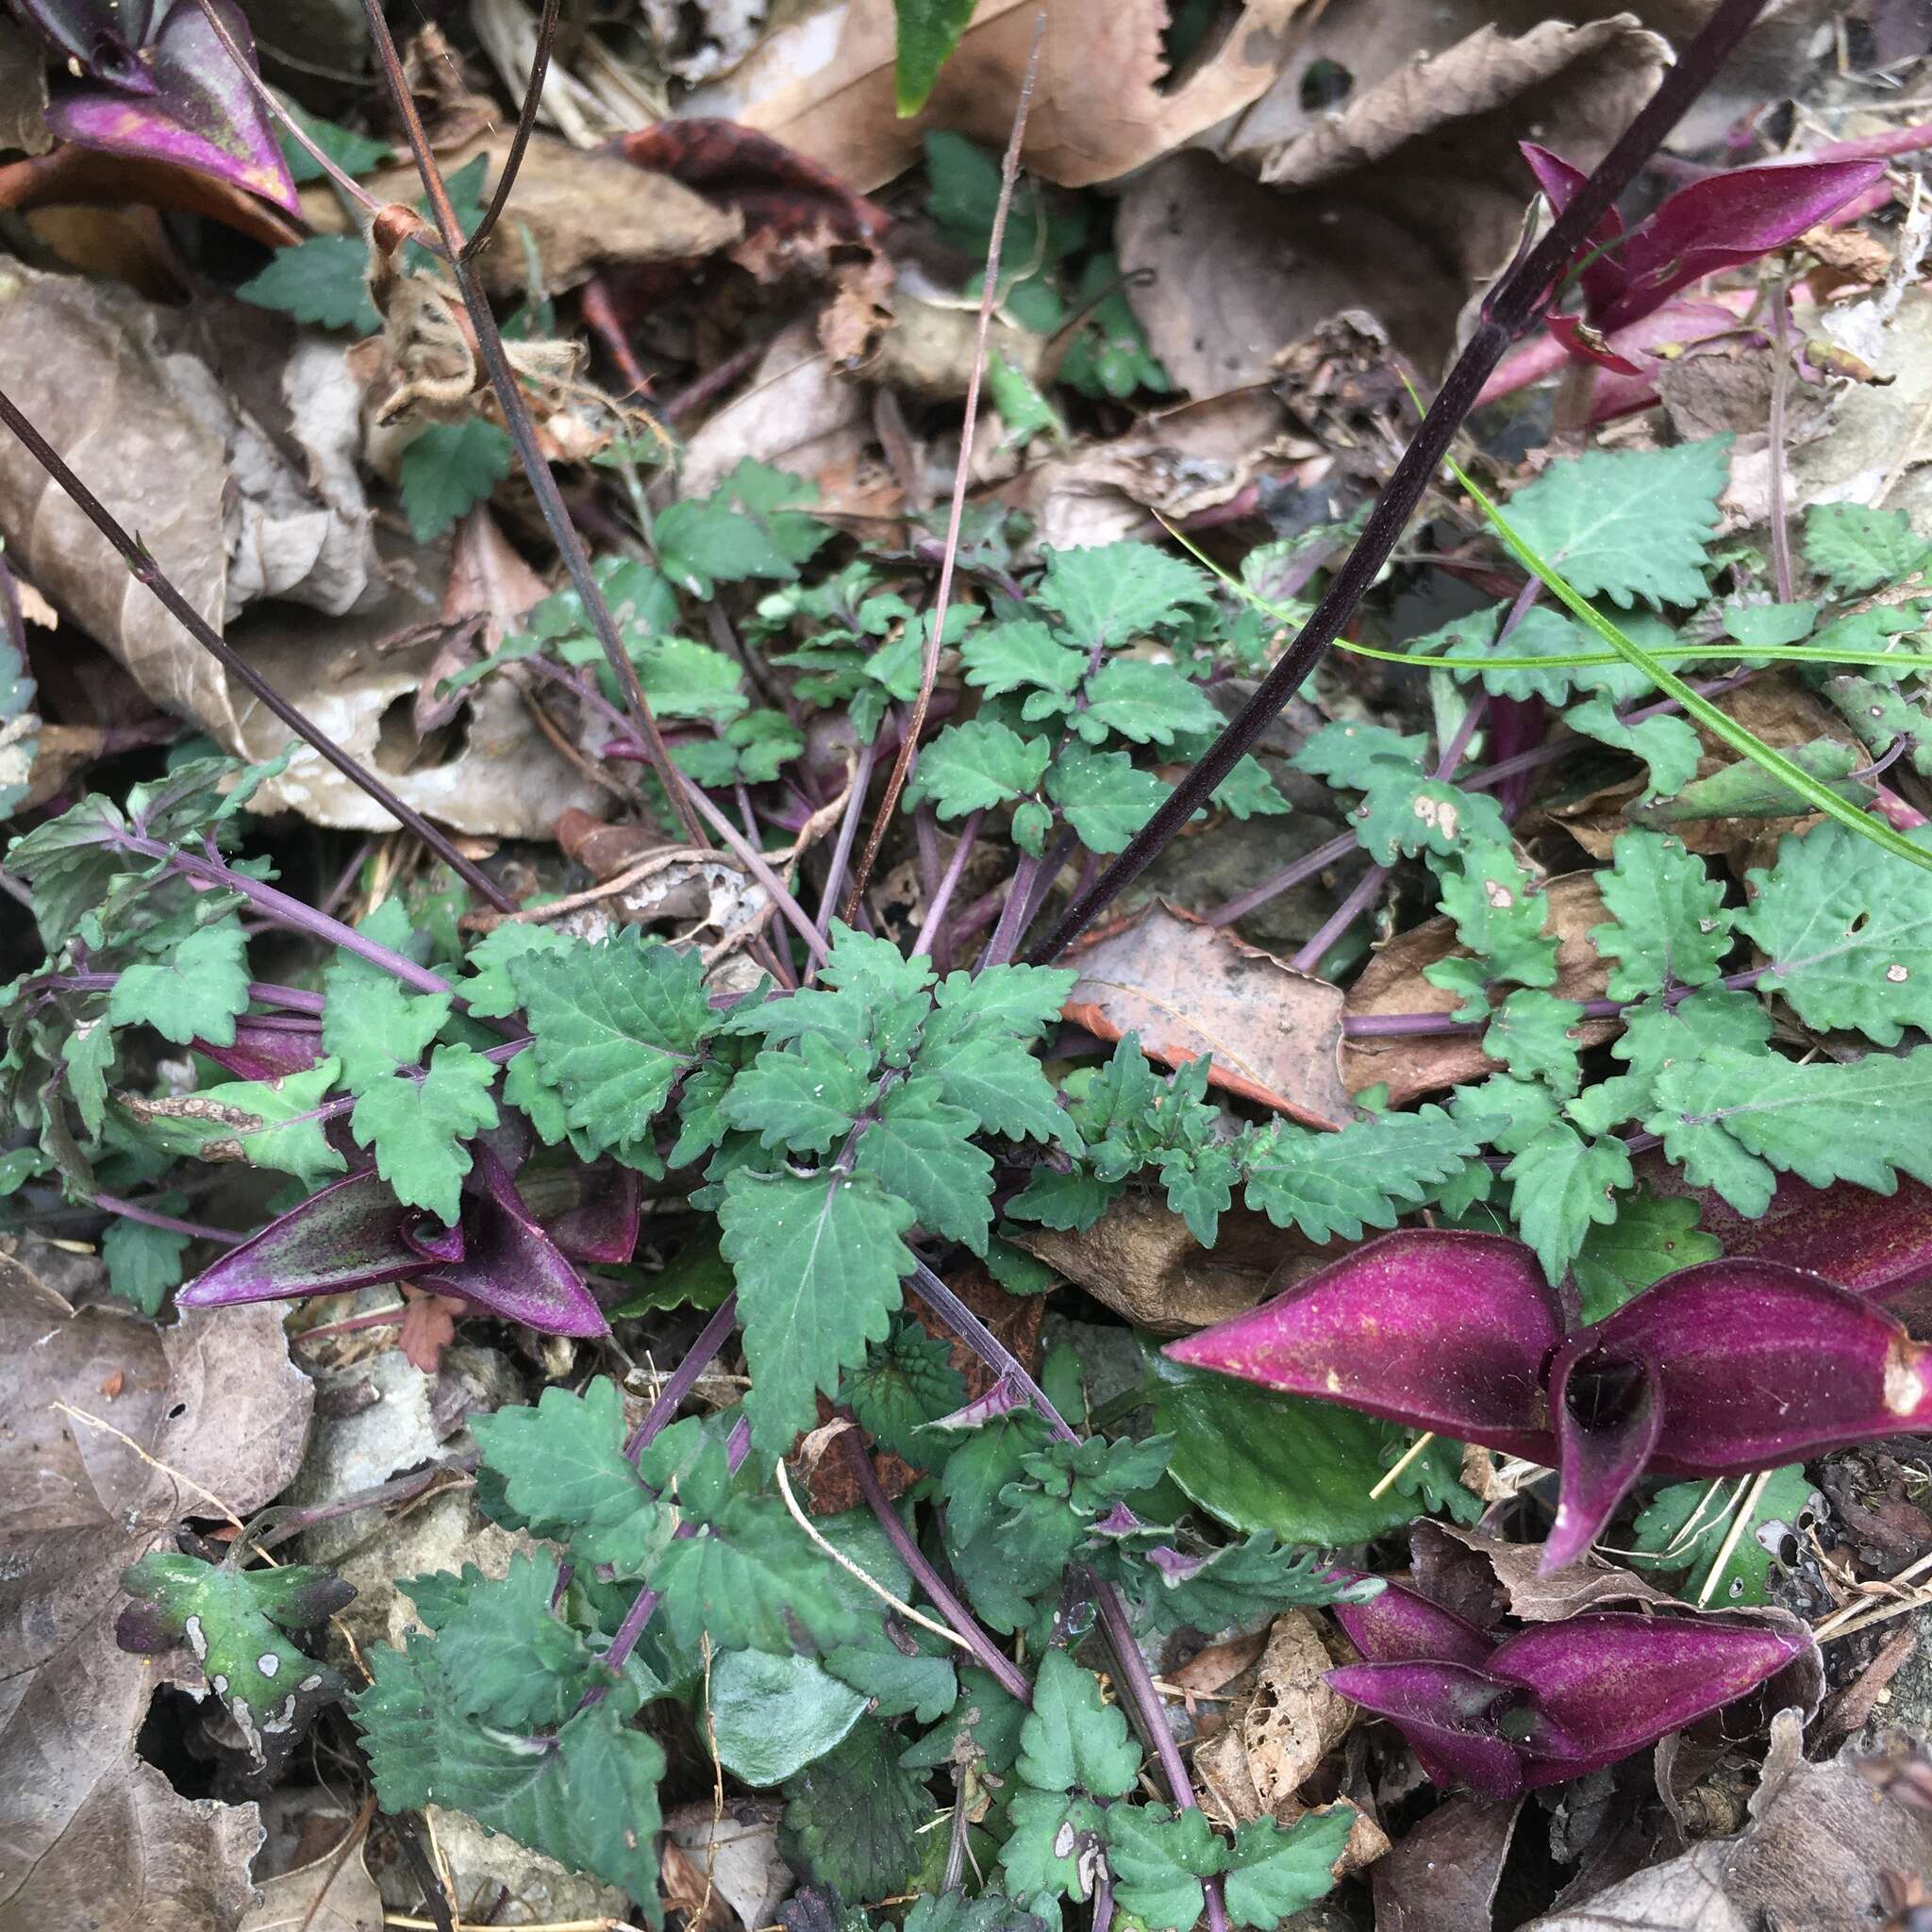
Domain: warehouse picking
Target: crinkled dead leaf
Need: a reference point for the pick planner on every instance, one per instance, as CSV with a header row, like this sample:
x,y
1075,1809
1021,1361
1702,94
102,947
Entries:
x,y
1392,982
1442,1875
736,1854
1279,1730
1189,989
582,211
1103,104
105,1840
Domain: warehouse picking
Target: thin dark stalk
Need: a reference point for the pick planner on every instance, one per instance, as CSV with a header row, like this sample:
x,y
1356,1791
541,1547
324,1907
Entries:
x,y
949,884
146,571
989,296
526,121
1360,898
277,1525
1030,887
168,1223
753,862
1780,386
985,1345
713,382
1295,873
848,831
523,431
1012,1679
685,1377
1510,310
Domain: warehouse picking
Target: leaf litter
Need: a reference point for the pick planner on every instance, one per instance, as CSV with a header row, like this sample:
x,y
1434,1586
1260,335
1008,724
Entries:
x,y
647,1346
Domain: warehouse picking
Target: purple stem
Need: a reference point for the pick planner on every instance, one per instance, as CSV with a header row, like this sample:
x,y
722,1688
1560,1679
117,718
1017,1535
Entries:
x,y
1310,958
684,1378
956,1613
1418,1026
949,884
1291,875
848,831
1032,881
293,998
196,1230
1780,383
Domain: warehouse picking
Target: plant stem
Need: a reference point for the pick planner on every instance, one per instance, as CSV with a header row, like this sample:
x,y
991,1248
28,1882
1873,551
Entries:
x,y
1359,900
956,1613
1291,875
684,1378
1780,386
949,883
147,571
526,121
147,1217
753,862
848,831
294,998
523,431
1417,1026
989,296
1510,311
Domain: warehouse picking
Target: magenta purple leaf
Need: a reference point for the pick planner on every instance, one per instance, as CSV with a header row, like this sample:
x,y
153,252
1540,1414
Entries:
x,y
1722,1368
266,1047
164,87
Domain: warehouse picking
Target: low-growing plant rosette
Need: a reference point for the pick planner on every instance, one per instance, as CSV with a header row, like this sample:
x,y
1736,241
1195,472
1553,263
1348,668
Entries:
x,y
1722,1369
1548,1702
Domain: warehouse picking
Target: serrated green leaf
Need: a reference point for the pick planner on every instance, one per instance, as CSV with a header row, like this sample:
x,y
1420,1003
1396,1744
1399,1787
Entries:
x,y
993,1078
1053,1846
1684,1529
1500,918
1274,1872
855,1816
195,991
143,1262
901,1386
323,280
88,1054
805,1097
1628,523
1068,1201
449,469
1855,549
417,1127
1072,1740
1020,654
1358,754
614,1024
371,1025
1562,1183
1106,799
1744,789
1538,1037
1733,1117
751,1579
1652,1236
818,1262
1159,1859
920,1148
1670,925
1668,746
266,1123
1248,791
1144,702
1114,592
486,987
1758,625
355,154
1363,1177
1404,812
973,766
1236,1584
1848,931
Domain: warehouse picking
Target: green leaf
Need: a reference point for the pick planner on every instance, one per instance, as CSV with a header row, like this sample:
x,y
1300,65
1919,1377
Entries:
x,y
1744,789
1760,625
1114,592
1236,1584
751,1579
324,280
369,1022
702,542
88,1055
19,728
1144,702
1358,754
1652,1236
1021,654
1500,917
486,986
565,1473
424,1748
230,1618
1068,1201
1537,1037
1733,1118
1050,1850
772,1716
1672,926
953,1911
417,1127
974,1046
1104,798
1683,1528
143,1262
683,679
920,1148
1260,1460
1655,1036
818,1261
449,469
971,767
1159,1859
1363,1177
196,990
1628,523
1563,1183
266,1123
1404,812
855,1815
1072,1740
1848,932
803,1097
1855,549
1248,791
353,152
1274,1871
615,1025
900,1387
1023,1001
1667,745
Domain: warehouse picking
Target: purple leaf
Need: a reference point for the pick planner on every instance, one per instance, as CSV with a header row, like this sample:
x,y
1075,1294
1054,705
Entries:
x,y
347,1235
592,1212
266,1049
1607,1415
104,36
1427,1327
1875,1244
1758,1365
1604,277
200,113
1403,1625
1451,1715
509,1265
1607,1683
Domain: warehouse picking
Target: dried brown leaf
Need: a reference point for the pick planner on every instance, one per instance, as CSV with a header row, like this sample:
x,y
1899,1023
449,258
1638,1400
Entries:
x,y
1187,988
330,1895
1442,1875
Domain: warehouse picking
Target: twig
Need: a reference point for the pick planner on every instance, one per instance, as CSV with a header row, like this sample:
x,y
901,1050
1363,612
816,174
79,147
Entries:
x,y
989,294
753,862
80,1415
146,571
523,431
964,1623
526,119
1391,1476
1746,1504
1510,310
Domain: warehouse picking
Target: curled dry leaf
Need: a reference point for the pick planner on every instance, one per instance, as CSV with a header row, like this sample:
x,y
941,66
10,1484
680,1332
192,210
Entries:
x,y
1392,982
103,1839
1189,989
736,1854
1104,105
582,211
1280,1729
